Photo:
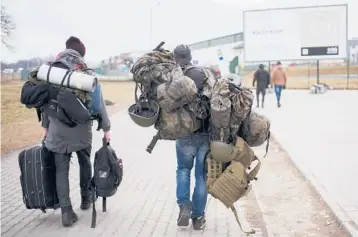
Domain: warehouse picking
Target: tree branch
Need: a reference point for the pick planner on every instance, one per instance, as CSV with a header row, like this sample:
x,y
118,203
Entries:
x,y
7,27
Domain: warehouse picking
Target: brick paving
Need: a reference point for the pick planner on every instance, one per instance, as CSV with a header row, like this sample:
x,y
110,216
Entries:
x,y
145,204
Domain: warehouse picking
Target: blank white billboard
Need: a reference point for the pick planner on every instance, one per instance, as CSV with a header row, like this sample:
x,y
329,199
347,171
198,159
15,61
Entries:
x,y
319,32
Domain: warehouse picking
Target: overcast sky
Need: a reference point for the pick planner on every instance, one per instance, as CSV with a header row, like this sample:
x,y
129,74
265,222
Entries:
x,y
110,27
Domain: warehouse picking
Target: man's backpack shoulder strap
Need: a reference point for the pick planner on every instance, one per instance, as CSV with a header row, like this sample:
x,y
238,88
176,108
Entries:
x,y
186,69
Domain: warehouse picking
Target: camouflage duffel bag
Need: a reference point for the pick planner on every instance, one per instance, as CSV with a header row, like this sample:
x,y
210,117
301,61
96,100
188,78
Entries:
x,y
176,124
220,113
176,93
255,129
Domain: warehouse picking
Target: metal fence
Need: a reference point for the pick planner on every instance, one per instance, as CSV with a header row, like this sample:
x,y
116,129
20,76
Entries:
x,y
106,75
338,74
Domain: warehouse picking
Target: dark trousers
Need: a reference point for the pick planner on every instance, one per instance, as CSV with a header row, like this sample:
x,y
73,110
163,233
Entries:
x,y
62,162
261,91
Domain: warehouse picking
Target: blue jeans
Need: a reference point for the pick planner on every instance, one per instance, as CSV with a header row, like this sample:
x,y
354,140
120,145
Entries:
x,y
188,149
278,90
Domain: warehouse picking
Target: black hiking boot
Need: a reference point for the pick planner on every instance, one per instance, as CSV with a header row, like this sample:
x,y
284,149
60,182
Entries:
x,y
184,215
86,202
69,217
199,223
278,104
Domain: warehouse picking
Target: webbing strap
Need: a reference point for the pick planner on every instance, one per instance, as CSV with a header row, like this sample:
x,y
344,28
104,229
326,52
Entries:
x,y
238,222
94,212
268,143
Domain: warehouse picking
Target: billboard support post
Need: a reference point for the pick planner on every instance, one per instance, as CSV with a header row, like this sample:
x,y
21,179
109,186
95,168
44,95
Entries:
x,y
348,59
269,67
317,72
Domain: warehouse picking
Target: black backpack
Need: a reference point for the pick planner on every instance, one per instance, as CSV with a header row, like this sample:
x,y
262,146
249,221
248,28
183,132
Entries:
x,y
108,173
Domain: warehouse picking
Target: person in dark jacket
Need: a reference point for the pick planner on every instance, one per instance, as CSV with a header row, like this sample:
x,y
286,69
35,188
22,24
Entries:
x,y
188,149
63,140
262,77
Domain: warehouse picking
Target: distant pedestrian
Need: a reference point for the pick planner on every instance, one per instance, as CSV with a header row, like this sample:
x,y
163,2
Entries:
x,y
262,77
279,81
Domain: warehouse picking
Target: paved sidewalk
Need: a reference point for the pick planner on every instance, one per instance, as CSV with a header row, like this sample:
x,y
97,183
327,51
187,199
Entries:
x,y
320,134
145,204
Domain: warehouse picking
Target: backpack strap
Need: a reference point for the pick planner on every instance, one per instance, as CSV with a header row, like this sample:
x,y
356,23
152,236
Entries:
x,y
94,212
48,74
104,204
268,143
238,222
253,173
188,68
153,142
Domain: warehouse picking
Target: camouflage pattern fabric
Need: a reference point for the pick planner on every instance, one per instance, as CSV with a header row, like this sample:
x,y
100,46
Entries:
x,y
255,129
161,79
154,67
230,105
220,114
177,124
176,93
209,83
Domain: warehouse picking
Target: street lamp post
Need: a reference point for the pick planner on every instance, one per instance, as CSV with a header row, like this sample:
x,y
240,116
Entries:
x,y
151,22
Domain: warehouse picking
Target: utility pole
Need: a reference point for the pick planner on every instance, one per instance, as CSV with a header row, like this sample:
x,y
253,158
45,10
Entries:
x,y
151,22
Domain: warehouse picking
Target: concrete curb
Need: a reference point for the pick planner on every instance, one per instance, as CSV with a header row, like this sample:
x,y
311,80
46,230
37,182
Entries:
x,y
340,214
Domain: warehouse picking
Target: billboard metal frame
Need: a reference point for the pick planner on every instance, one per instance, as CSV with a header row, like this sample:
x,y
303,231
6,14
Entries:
x,y
301,7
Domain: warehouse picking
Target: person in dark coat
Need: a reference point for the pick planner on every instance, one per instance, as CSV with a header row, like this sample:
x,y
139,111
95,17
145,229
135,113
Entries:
x,y
63,140
262,77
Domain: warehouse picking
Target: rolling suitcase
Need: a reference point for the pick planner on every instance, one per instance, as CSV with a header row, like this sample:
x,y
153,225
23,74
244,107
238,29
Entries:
x,y
38,178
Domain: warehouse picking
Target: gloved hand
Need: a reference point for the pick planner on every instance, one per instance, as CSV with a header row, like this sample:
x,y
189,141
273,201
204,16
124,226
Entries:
x,y
108,135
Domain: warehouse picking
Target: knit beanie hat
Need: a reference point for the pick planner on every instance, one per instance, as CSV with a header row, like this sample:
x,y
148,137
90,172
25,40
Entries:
x,y
76,44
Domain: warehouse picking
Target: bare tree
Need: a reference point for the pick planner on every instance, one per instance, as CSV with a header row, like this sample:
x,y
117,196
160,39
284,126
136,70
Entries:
x,y
7,26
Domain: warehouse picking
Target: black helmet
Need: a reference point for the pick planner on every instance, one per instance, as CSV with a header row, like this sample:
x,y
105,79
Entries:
x,y
144,113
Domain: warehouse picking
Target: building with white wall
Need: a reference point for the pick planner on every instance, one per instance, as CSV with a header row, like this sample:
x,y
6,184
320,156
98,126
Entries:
x,y
207,52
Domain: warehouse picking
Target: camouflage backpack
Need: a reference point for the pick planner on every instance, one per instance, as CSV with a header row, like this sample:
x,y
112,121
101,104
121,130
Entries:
x,y
229,105
255,130
160,78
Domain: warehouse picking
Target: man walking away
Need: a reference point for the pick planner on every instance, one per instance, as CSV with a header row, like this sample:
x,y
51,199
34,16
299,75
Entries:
x,y
279,81
262,77
189,149
63,140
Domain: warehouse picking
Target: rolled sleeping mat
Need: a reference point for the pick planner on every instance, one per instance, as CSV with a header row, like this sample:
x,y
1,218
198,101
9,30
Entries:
x,y
78,80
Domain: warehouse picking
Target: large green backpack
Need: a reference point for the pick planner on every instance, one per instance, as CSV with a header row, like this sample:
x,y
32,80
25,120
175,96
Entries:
x,y
159,78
